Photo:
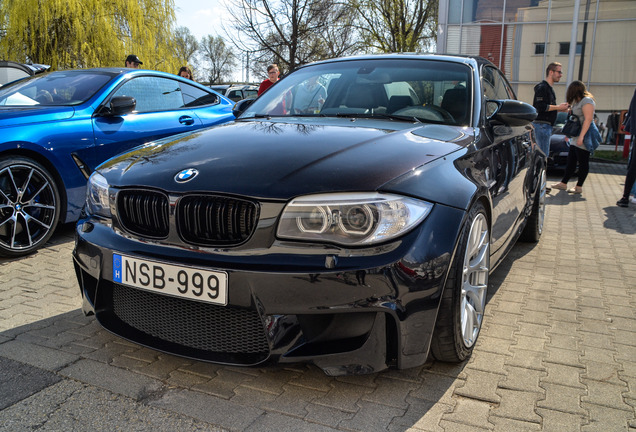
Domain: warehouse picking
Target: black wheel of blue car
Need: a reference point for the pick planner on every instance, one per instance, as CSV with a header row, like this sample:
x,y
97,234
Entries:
x,y
534,225
463,301
29,206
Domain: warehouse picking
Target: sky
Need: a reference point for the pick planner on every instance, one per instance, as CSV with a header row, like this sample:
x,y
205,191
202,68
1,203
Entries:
x,y
202,17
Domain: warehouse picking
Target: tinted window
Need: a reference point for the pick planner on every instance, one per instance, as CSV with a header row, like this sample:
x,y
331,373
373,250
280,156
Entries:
x,y
57,88
153,93
235,95
194,96
495,86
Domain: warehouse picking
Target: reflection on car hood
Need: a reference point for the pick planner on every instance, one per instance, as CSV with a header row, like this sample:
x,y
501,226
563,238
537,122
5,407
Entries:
x,y
14,116
279,160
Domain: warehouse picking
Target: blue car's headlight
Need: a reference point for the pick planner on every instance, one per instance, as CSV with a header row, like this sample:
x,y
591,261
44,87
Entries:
x,y
351,219
97,196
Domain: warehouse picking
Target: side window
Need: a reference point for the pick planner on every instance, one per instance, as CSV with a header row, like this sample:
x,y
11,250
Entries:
x,y
153,93
194,96
250,93
235,95
494,84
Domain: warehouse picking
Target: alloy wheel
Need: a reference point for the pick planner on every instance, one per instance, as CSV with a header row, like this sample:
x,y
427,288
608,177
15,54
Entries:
x,y
28,213
475,280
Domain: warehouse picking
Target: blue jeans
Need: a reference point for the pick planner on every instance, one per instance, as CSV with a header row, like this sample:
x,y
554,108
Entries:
x,y
543,131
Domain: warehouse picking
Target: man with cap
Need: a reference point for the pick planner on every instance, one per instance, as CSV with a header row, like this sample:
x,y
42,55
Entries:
x,y
132,61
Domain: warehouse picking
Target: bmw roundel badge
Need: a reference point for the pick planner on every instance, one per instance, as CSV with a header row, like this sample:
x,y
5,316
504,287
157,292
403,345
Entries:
x,y
186,175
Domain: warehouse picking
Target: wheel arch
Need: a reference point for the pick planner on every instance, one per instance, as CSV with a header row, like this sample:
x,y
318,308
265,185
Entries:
x,y
50,166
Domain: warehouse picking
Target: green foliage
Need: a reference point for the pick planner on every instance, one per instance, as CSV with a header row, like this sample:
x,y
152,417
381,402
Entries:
x,y
89,33
610,155
397,25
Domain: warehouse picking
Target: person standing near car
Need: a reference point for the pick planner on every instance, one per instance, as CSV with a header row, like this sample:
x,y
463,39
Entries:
x,y
132,61
630,178
185,72
545,103
583,107
272,72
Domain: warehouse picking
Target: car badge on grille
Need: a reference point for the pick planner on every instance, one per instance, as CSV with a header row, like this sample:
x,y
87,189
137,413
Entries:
x,y
186,175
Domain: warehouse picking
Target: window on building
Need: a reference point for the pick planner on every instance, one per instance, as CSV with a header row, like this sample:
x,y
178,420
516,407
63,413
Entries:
x,y
564,48
539,48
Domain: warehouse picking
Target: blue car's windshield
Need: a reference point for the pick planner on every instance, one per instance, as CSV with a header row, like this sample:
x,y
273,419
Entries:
x,y
405,89
57,88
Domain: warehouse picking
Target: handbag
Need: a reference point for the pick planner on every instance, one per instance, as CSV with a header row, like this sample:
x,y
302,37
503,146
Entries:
x,y
572,126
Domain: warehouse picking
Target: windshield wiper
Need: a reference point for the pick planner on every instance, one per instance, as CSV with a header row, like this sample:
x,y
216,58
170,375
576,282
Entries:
x,y
385,116
256,116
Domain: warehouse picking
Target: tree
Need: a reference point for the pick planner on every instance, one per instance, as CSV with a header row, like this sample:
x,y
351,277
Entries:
x,y
88,33
397,25
220,58
185,44
287,32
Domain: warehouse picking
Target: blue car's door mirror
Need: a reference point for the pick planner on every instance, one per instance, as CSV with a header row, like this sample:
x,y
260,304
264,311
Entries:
x,y
120,105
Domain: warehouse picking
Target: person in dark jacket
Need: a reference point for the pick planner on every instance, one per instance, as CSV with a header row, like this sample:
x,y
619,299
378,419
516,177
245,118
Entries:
x,y
545,103
612,127
630,178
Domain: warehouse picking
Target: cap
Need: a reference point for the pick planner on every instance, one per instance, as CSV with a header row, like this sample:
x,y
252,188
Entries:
x,y
133,59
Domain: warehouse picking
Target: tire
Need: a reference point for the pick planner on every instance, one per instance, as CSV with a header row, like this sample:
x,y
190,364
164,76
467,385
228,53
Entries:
x,y
29,206
534,225
463,301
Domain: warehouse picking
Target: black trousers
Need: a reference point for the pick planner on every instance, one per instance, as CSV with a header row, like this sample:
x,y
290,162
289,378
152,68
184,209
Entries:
x,y
631,172
582,157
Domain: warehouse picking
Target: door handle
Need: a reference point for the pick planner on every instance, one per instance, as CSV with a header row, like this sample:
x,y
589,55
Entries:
x,y
186,120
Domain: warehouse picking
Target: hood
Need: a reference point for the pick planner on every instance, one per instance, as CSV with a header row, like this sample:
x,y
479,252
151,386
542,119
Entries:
x,y
12,116
280,160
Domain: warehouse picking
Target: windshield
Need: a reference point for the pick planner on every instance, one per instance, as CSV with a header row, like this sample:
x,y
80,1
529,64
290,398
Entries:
x,y
431,91
57,88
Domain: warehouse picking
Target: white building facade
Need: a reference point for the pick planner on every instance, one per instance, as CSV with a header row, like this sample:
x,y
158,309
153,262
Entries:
x,y
594,40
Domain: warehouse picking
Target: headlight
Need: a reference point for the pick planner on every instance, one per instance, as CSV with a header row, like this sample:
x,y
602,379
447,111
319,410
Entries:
x,y
97,196
351,219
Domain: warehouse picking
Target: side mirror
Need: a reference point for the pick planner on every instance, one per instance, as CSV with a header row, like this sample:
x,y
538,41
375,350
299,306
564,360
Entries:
x,y
510,112
120,105
241,106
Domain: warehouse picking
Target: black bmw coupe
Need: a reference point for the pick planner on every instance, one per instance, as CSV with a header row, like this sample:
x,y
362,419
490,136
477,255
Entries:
x,y
350,217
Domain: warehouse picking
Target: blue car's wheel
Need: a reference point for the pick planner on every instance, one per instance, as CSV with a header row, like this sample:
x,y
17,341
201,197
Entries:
x,y
29,206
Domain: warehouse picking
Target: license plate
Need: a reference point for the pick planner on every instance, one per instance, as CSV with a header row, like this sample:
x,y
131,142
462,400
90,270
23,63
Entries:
x,y
178,281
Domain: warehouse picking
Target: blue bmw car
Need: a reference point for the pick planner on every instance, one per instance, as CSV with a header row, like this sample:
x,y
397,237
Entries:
x,y
56,128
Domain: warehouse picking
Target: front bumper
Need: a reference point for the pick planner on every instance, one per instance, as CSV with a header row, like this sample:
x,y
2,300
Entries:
x,y
346,311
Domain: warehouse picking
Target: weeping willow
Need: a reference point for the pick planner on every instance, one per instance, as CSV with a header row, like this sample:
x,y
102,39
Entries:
x,y
68,34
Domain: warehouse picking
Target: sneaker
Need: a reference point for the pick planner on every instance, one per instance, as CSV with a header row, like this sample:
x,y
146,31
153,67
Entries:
x,y
623,202
633,200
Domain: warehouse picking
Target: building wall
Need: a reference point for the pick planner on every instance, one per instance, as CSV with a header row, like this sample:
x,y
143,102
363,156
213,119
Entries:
x,y
512,33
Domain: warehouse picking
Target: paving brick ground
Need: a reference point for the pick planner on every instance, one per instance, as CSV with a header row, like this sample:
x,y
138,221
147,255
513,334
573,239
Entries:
x,y
556,352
